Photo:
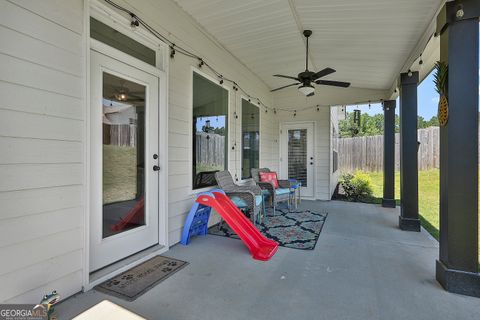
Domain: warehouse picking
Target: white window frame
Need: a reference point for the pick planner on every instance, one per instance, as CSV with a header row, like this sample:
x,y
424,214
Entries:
x,y
243,97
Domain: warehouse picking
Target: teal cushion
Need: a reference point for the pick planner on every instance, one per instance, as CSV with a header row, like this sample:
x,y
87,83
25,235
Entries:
x,y
265,192
239,202
258,200
282,191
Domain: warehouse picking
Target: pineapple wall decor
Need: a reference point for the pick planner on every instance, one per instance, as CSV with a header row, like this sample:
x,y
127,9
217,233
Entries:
x,y
441,85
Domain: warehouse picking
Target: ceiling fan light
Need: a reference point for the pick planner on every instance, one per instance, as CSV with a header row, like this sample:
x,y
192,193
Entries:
x,y
306,90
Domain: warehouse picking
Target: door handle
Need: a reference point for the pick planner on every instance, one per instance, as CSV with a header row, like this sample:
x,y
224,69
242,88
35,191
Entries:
x,y
156,168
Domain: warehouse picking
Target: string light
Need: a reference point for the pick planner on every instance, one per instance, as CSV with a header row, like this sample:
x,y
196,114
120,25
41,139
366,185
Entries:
x,y
201,62
295,113
172,51
421,60
134,23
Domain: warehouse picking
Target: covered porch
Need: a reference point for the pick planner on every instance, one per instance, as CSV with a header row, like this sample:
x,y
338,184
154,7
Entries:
x,y
212,62
363,267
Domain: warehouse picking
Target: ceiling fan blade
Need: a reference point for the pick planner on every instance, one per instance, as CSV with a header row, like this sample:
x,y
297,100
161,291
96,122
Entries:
x,y
311,94
288,77
333,83
323,73
290,85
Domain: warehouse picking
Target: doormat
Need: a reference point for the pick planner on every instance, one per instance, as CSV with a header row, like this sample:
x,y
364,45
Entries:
x,y
136,281
296,229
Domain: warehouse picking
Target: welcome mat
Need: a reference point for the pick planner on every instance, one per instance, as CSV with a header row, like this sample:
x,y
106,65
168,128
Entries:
x,y
297,229
136,281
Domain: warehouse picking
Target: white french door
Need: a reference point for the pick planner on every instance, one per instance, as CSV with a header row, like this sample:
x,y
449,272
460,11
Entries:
x,y
124,129
297,159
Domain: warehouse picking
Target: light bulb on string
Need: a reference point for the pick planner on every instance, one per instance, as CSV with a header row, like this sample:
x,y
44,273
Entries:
x,y
134,22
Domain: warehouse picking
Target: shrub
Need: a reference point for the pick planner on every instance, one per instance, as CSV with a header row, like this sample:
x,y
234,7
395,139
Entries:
x,y
357,186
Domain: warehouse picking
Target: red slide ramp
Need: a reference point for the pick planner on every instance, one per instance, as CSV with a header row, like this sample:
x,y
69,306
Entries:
x,y
260,247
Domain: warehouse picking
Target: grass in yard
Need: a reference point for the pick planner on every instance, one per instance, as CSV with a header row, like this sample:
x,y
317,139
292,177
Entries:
x,y
428,197
119,173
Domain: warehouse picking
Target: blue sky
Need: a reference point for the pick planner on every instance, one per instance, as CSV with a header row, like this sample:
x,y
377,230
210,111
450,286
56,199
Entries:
x,y
427,101
215,122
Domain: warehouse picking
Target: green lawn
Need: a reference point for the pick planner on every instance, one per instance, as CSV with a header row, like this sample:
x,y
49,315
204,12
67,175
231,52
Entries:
x,y
119,173
428,197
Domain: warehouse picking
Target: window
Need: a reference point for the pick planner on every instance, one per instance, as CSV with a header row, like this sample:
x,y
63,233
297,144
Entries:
x,y
250,138
103,33
210,131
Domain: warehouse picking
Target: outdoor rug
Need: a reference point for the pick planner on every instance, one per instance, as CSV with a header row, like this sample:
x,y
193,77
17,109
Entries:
x,y
136,281
297,229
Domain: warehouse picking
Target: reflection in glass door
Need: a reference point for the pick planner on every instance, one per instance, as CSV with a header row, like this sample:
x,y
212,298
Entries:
x,y
123,135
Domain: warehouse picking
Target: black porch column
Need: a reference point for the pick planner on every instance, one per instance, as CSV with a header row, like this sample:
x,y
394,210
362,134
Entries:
x,y
408,219
388,200
457,269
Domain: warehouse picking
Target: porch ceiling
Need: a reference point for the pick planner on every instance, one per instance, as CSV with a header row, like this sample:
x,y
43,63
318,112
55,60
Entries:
x,y
367,42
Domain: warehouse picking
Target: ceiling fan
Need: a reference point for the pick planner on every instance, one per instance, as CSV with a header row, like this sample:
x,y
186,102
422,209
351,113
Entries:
x,y
307,77
124,94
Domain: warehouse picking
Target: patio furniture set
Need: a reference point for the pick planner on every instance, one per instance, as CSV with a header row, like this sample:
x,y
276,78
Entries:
x,y
252,198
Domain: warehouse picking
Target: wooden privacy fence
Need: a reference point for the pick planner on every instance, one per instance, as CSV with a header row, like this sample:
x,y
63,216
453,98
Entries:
x,y
124,135
210,149
366,153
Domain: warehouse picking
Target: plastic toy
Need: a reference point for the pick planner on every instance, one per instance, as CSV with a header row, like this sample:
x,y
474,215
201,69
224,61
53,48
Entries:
x,y
50,300
260,247
197,221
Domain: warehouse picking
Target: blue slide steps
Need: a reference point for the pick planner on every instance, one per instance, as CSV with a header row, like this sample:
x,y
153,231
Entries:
x,y
197,220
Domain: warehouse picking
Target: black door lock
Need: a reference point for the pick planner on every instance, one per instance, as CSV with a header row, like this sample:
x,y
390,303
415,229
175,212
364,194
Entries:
x,y
156,168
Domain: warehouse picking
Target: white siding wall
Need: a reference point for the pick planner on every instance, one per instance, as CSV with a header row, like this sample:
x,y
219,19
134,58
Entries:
x,y
41,148
321,119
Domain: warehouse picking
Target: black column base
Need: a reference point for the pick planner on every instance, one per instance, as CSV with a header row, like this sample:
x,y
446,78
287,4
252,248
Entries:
x,y
388,203
407,224
455,281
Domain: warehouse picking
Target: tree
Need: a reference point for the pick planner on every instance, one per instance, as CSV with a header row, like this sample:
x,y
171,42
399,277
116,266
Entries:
x,y
373,125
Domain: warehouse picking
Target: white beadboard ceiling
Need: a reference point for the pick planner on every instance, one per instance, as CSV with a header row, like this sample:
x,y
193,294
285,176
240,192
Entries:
x,y
366,41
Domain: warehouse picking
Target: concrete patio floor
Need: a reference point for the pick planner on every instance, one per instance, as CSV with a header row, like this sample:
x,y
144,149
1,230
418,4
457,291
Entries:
x,y
363,267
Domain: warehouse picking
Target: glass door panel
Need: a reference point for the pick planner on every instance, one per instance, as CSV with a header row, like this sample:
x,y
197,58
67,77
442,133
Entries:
x,y
297,155
123,122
